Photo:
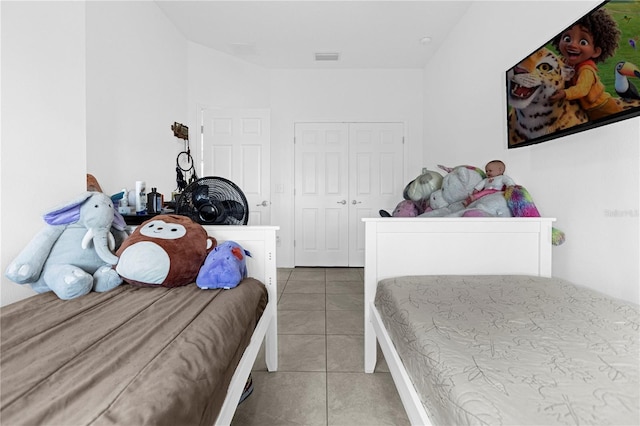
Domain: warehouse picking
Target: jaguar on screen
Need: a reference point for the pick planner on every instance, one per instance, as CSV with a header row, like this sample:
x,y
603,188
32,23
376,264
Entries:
x,y
586,76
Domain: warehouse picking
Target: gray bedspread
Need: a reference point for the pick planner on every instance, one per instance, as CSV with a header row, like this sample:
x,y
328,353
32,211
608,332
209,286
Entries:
x,y
131,356
515,350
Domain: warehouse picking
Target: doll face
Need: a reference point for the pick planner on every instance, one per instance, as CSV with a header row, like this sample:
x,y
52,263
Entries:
x,y
576,45
494,169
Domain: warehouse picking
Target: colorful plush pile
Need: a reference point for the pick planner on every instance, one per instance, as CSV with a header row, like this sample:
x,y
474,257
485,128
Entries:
x,y
521,204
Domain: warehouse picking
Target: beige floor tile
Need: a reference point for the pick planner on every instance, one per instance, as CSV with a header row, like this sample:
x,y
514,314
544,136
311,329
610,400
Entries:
x,y
344,274
301,322
345,302
298,352
339,287
381,364
363,399
308,274
284,398
261,363
345,322
301,302
320,379
305,287
283,274
281,288
345,353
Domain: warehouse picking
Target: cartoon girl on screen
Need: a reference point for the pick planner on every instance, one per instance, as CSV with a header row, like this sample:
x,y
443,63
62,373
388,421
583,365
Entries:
x,y
592,39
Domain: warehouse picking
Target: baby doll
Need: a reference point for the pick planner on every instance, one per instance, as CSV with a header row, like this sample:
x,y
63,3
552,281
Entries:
x,y
495,181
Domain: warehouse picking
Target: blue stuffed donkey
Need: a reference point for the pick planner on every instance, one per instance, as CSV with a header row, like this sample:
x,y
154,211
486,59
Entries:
x,y
224,267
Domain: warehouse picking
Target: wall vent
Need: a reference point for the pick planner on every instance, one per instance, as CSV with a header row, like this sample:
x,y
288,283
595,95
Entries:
x,y
327,56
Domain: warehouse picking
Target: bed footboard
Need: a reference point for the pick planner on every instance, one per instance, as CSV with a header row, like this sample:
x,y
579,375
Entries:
x,y
261,242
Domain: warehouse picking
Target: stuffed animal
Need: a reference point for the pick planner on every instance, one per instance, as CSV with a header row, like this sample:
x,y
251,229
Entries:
x,y
166,250
224,267
515,201
416,195
73,255
456,187
421,187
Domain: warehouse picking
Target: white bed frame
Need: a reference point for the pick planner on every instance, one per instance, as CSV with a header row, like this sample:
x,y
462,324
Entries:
x,y
443,246
261,243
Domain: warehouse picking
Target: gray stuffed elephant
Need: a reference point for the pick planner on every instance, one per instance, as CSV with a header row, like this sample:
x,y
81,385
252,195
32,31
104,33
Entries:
x,y
73,254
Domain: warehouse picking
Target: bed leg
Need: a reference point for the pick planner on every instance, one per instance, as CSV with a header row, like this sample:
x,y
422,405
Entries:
x,y
370,355
271,345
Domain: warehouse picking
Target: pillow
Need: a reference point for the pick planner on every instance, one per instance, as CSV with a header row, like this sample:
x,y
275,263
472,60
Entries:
x,y
166,250
224,267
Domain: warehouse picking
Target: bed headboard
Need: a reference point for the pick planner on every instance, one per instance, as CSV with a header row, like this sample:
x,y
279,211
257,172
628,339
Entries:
x,y
447,246
450,246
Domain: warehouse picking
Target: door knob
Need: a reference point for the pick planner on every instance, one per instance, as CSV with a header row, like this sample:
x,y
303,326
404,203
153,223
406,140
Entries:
x,y
356,202
343,202
265,203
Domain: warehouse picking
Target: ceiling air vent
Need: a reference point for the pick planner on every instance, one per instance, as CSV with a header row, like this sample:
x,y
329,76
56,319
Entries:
x,y
327,56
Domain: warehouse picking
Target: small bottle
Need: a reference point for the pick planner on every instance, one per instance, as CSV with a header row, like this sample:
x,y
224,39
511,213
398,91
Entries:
x,y
154,202
141,198
124,208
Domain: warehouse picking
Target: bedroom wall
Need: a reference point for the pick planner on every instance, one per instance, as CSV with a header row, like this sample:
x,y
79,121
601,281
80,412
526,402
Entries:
x,y
336,95
589,181
136,89
43,120
217,80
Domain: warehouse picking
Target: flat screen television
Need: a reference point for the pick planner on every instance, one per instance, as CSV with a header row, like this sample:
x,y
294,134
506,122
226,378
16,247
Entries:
x,y
586,76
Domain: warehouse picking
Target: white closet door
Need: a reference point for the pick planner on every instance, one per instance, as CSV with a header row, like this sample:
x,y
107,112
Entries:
x,y
321,193
376,177
343,172
236,146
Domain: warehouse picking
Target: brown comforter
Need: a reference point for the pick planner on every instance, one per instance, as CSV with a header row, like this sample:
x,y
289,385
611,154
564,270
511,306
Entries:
x,y
130,356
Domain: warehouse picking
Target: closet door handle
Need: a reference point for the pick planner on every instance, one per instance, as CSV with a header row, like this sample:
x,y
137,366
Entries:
x,y
265,203
354,202
343,202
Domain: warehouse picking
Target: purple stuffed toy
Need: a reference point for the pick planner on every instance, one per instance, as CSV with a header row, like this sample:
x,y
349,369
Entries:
x,y
224,267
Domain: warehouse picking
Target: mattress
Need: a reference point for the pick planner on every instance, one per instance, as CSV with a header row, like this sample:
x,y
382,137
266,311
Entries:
x,y
515,350
130,356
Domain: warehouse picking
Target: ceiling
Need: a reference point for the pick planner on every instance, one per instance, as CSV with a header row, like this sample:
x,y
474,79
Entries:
x,y
288,34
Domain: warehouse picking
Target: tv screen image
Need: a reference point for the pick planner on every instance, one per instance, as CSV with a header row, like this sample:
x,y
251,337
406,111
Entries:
x,y
586,76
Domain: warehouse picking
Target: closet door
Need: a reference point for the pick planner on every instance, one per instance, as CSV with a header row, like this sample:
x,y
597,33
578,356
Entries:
x,y
343,173
321,194
376,166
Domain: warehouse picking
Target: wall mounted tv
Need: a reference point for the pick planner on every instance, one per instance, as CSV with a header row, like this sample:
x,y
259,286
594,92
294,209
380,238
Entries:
x,y
586,76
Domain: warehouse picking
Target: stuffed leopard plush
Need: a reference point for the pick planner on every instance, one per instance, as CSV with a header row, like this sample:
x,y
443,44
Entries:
x,y
530,85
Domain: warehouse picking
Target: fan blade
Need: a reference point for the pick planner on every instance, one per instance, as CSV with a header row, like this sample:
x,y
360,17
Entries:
x,y
200,195
234,209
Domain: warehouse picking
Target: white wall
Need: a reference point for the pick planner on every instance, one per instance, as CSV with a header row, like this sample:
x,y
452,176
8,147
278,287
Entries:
x,y
217,80
336,95
582,179
136,89
43,120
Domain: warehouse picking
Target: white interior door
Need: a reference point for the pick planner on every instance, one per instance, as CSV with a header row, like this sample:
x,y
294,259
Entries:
x,y
343,172
236,146
321,193
376,171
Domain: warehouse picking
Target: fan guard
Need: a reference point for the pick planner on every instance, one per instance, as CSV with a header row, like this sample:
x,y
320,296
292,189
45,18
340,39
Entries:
x,y
213,200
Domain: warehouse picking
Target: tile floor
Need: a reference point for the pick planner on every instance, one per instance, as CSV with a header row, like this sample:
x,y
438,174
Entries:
x,y
320,378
